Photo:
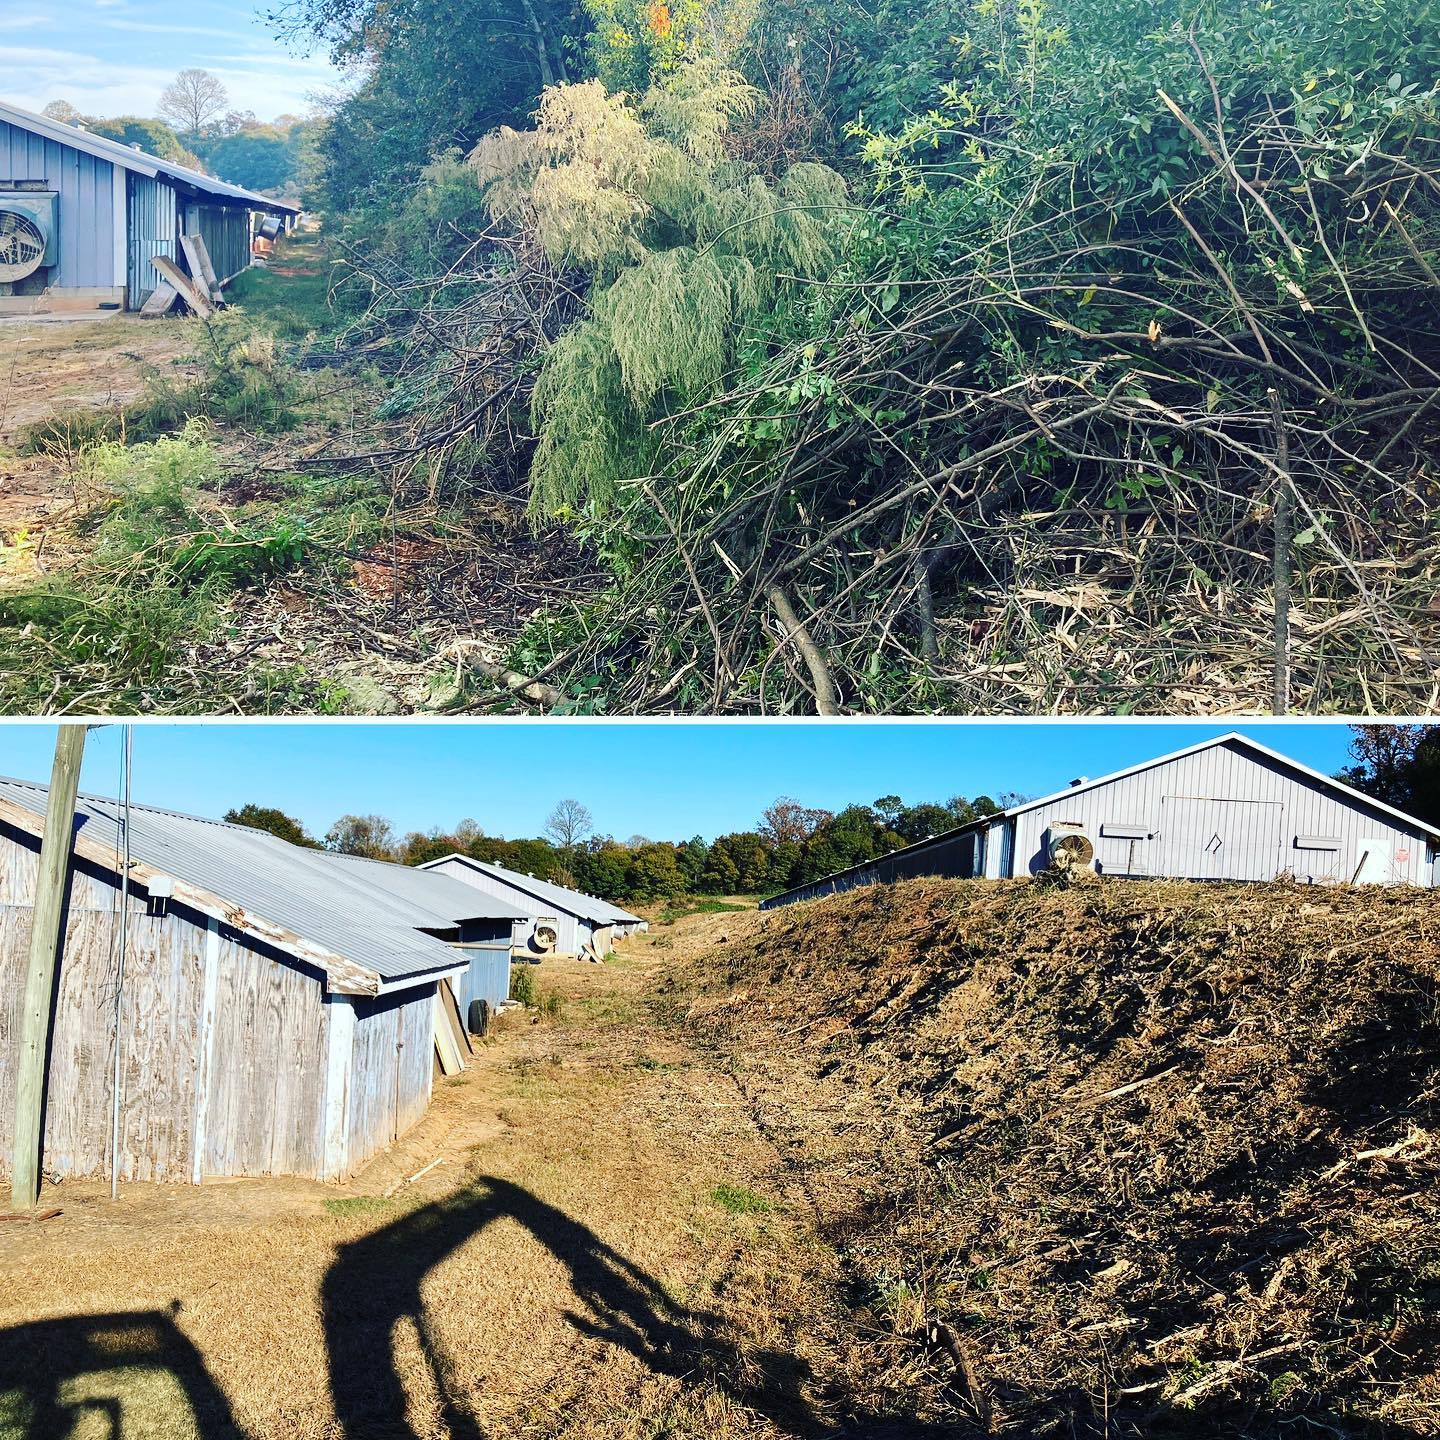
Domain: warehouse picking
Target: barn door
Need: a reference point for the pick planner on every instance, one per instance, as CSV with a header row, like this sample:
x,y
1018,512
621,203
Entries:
x,y
1212,839
152,226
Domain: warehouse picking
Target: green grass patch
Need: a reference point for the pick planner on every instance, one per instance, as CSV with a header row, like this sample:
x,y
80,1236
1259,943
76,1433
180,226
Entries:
x,y
346,1206
738,1200
170,539
299,295
679,909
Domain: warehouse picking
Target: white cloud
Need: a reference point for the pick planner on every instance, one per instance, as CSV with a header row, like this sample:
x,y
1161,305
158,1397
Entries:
x,y
268,85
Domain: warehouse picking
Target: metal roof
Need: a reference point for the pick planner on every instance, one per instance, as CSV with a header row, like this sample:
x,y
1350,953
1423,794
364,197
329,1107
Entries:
x,y
1234,737
573,902
419,887
141,162
355,909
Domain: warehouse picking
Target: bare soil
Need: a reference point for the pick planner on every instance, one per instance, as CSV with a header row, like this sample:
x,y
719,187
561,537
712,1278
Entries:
x,y
53,367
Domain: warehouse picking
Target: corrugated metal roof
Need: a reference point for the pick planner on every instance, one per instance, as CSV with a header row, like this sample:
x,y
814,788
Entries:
x,y
141,162
351,908
421,888
574,902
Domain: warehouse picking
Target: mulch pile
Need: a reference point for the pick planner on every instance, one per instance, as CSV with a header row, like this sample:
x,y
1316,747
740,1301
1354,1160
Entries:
x,y
1181,1174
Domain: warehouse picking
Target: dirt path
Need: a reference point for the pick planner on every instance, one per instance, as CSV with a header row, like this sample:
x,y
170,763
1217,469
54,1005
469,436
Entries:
x,y
611,1247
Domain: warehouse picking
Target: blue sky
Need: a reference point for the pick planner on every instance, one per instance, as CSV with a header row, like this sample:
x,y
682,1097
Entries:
x,y
665,781
113,57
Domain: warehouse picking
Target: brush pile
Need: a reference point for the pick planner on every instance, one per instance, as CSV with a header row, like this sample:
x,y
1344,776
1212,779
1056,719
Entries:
x,y
1179,1148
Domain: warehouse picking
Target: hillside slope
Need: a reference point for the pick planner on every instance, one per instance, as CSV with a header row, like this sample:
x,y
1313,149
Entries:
x,y
1177,1170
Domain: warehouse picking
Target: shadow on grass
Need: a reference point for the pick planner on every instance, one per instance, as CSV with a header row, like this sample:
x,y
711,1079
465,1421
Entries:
x,y
148,1380
135,1370
375,1283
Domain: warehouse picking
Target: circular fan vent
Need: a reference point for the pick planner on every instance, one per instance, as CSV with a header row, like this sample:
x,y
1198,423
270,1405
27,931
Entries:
x,y
1072,852
22,247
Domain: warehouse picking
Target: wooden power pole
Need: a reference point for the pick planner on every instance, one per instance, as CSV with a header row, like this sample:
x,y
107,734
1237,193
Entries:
x,y
55,849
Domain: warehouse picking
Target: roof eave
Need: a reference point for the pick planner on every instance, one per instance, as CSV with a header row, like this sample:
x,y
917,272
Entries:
x,y
342,975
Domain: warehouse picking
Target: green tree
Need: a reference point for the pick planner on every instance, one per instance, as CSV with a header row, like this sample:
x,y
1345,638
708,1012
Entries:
x,y
255,159
1398,764
721,876
920,822
370,836
694,854
603,870
272,821
437,76
654,873
152,136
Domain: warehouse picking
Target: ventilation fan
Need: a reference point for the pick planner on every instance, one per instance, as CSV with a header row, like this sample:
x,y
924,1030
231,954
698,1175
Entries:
x,y
1070,849
27,234
546,937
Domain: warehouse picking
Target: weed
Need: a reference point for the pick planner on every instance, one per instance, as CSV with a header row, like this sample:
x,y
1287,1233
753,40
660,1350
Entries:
x,y
108,645
245,381
738,1200
522,984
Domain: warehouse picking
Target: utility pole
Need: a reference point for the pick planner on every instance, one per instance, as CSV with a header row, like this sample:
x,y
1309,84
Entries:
x,y
46,918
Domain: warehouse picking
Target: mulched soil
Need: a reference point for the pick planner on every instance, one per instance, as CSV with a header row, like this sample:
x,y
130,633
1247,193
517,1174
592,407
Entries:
x,y
1174,1163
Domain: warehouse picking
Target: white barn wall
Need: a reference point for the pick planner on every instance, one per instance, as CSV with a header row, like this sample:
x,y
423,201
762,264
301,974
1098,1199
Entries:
x,y
87,214
1275,806
1258,806
573,932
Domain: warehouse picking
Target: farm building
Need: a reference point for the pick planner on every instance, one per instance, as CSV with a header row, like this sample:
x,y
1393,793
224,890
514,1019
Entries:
x,y
283,1009
82,217
1225,809
564,922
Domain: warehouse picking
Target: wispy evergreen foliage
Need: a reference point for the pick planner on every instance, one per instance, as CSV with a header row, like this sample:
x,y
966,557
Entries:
x,y
688,251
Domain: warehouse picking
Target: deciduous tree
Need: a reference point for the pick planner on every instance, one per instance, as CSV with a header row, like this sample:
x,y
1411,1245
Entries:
x,y
192,100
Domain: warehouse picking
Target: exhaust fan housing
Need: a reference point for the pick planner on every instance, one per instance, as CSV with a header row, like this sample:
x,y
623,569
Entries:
x,y
29,233
1069,849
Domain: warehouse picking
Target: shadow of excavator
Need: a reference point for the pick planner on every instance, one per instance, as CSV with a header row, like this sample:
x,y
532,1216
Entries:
x,y
136,1375
126,1374
142,1374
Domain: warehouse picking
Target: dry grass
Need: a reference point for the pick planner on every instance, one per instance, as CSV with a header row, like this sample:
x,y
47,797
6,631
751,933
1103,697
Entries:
x,y
1162,1157
566,1272
937,1159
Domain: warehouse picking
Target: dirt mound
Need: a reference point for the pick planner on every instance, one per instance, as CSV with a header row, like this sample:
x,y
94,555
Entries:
x,y
1179,1169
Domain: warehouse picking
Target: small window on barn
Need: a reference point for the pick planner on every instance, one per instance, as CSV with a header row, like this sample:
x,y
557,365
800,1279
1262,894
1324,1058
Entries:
x,y
1317,842
1109,830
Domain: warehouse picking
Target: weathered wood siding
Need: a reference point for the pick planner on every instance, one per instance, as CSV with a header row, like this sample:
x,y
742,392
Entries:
x,y
391,1071
225,1043
267,1075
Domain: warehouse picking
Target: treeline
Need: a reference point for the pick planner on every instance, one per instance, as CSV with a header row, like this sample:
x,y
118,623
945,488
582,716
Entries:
x,y
790,845
198,128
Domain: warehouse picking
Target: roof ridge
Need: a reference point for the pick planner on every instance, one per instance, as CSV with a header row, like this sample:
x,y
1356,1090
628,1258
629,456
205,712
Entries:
x,y
115,803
